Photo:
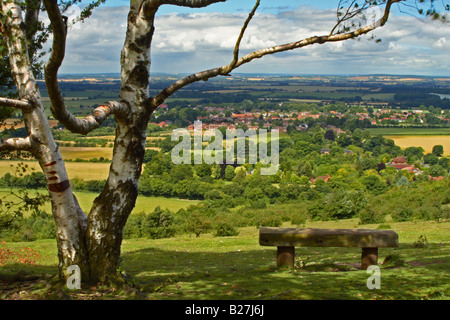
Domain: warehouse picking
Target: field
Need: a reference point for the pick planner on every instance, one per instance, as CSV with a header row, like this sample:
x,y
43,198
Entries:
x,y
80,170
417,137
143,204
238,268
407,131
426,142
85,153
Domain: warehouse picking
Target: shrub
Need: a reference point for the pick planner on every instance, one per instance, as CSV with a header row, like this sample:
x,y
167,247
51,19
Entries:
x,y
213,194
133,226
270,221
374,184
225,229
158,224
370,216
290,191
44,228
299,218
197,223
421,242
257,204
23,235
403,214
344,204
428,213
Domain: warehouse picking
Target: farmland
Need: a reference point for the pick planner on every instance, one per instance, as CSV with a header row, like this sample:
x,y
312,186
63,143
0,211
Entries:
x,y
426,142
80,170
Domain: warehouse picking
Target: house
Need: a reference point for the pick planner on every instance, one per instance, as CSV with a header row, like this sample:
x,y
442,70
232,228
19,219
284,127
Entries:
x,y
400,163
324,151
302,127
399,160
346,151
325,178
161,124
436,178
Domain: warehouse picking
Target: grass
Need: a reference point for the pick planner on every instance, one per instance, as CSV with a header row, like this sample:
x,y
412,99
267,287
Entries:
x,y
143,204
238,268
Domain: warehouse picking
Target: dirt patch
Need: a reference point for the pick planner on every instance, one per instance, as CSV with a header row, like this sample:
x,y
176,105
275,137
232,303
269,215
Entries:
x,y
418,263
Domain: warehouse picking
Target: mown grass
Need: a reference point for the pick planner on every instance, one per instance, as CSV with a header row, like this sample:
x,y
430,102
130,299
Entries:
x,y
238,268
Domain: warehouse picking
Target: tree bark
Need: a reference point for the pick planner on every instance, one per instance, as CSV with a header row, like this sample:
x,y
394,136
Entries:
x,y
70,220
113,206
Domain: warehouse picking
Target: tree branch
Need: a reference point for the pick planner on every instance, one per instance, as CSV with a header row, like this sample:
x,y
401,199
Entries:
x,y
189,3
15,144
241,35
13,103
56,58
225,70
15,40
90,122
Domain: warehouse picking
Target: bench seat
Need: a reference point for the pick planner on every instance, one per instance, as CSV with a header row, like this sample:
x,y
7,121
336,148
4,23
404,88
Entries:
x,y
286,239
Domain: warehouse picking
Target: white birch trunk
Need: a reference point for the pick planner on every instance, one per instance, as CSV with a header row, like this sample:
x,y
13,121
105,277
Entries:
x,y
70,220
112,208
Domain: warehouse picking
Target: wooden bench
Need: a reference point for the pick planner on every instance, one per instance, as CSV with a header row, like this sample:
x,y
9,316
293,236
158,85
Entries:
x,y
286,239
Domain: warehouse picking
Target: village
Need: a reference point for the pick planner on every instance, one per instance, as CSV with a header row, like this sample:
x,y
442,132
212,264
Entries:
x,y
217,117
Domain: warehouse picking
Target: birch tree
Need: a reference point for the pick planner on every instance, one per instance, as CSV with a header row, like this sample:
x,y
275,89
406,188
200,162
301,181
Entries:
x,y
92,240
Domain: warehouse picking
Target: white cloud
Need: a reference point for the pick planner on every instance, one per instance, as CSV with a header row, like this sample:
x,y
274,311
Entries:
x,y
198,41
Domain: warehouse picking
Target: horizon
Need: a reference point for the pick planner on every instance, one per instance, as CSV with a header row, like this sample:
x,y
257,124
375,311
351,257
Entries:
x,y
273,74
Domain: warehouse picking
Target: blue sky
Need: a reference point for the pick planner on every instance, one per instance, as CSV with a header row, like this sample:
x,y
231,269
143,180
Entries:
x,y
190,40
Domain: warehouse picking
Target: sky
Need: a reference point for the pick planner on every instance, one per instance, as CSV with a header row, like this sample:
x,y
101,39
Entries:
x,y
190,40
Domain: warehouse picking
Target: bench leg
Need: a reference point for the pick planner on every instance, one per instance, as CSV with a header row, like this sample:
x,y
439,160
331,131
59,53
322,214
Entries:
x,y
369,257
285,257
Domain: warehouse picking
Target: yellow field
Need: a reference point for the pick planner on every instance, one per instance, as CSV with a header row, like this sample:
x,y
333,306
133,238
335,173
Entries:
x,y
80,170
426,142
85,153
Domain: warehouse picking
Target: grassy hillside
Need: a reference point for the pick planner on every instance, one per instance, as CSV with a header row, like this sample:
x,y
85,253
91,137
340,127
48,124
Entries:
x,y
238,268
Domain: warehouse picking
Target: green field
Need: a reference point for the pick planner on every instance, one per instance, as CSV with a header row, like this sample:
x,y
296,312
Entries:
x,y
410,131
143,204
238,268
